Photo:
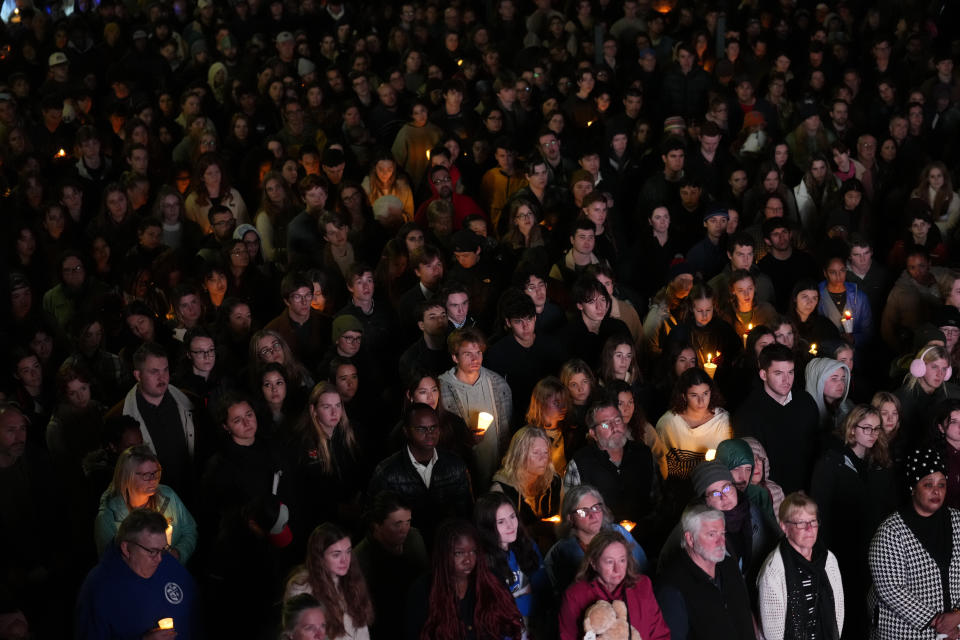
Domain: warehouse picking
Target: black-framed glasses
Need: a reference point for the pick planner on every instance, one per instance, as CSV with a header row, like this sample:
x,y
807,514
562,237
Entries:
x,y
583,513
204,353
153,553
725,490
867,429
803,525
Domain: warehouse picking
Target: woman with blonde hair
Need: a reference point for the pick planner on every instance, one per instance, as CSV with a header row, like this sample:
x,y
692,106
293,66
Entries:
x,y
547,410
528,478
267,346
581,385
136,485
925,386
331,576
331,473
936,191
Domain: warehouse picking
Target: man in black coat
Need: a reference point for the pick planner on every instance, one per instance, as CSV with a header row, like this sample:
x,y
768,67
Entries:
x,y
701,592
621,469
435,483
784,422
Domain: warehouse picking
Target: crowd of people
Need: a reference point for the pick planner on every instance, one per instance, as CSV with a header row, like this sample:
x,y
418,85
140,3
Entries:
x,y
449,320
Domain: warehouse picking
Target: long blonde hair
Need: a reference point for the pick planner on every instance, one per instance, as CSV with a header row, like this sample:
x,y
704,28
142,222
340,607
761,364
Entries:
x,y
879,453
513,468
314,433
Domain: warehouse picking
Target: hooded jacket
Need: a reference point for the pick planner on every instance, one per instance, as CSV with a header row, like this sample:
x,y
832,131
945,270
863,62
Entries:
x,y
736,452
817,372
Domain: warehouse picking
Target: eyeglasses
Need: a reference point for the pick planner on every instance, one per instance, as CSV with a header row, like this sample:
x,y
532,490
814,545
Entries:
x,y
425,430
441,180
153,553
523,215
868,429
276,346
204,353
609,424
583,513
803,525
148,475
351,339
724,491
300,297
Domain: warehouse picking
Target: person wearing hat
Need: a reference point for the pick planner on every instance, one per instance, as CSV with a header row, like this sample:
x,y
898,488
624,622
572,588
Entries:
x,y
708,256
58,76
915,556
470,269
809,137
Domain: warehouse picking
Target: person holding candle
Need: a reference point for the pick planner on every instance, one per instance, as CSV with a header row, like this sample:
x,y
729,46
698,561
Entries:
x,y
844,304
136,485
138,585
812,328
529,480
584,514
331,576
469,389
705,330
744,311
695,423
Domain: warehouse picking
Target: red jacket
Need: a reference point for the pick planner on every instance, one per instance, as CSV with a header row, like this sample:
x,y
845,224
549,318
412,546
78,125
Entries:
x,y
642,607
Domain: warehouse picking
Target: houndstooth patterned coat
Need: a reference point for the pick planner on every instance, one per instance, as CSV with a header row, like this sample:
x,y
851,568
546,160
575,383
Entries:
x,y
906,592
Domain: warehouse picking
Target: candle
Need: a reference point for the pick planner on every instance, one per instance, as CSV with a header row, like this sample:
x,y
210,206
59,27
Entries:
x,y
484,420
165,623
169,533
61,154
428,154
589,123
710,455
847,321
460,62
553,519
709,366
813,349
628,524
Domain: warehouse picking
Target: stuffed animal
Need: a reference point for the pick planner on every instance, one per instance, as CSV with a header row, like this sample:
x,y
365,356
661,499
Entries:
x,y
608,621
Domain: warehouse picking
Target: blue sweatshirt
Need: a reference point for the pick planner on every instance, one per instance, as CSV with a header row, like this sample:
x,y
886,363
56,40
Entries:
x,y
116,603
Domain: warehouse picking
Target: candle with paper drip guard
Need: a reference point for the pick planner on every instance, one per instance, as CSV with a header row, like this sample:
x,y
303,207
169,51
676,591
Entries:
x,y
847,321
484,420
165,623
747,334
709,366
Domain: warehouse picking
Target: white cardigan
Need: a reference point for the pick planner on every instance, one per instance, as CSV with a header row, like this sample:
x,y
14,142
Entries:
x,y
772,593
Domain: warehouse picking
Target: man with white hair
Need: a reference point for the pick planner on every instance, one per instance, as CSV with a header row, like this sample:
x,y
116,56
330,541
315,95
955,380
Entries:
x,y
702,594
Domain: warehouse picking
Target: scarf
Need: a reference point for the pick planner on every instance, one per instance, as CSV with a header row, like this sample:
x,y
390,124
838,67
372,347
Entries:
x,y
740,531
811,611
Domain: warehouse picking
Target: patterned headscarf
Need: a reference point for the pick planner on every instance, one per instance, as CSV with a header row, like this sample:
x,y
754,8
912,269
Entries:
x,y
923,462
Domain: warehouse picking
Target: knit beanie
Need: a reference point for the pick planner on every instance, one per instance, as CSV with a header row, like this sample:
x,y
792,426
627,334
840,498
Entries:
x,y
706,473
922,463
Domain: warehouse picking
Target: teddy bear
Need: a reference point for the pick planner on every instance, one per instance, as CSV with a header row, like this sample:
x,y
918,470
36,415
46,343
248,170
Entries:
x,y
608,621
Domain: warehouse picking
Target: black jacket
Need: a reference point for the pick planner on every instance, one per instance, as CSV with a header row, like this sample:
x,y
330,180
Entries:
x,y
695,607
625,489
448,495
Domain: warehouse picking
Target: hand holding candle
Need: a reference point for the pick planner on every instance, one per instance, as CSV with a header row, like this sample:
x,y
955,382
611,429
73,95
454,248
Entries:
x,y
847,321
484,420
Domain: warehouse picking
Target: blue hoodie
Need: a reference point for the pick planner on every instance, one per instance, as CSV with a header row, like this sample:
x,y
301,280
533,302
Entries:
x,y
115,603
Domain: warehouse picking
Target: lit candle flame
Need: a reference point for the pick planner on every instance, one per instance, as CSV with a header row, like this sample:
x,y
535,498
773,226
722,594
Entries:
x,y
61,154
710,455
813,348
554,519
628,524
460,62
847,315
749,327
589,123
484,420
709,358
165,623
428,154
